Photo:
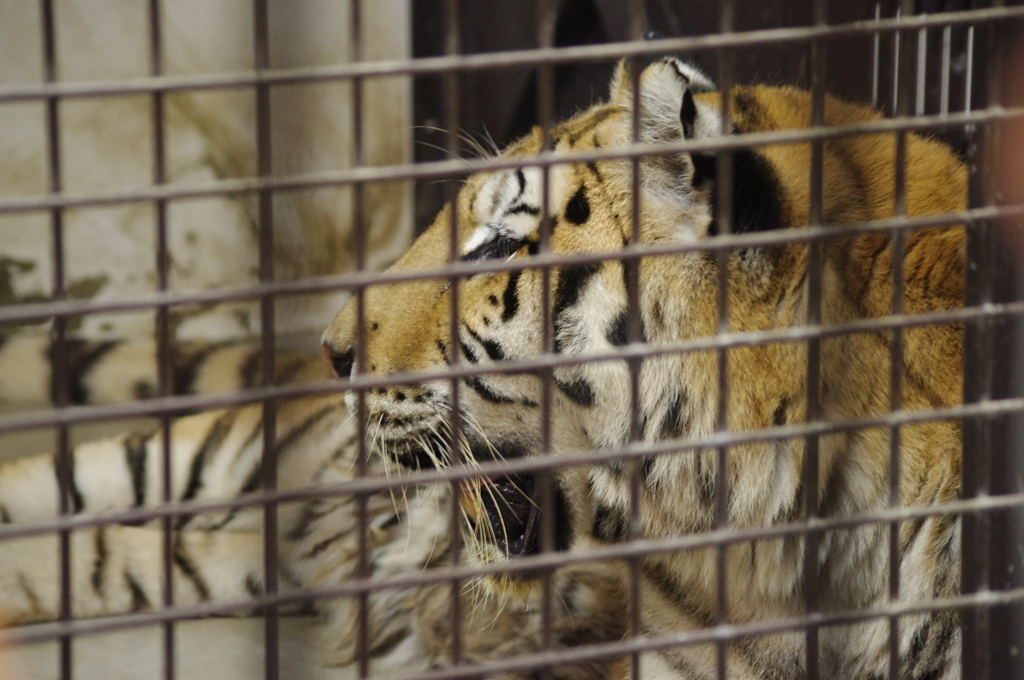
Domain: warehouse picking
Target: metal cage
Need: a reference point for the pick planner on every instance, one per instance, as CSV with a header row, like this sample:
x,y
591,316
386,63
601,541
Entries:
x,y
935,68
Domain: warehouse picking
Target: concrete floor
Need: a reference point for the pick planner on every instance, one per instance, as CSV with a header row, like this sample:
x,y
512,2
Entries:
x,y
211,649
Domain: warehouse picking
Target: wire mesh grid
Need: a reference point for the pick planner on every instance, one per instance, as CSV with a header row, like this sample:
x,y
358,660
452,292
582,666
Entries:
x,y
903,43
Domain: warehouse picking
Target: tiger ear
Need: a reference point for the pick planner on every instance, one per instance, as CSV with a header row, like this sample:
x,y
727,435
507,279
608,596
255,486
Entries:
x,y
668,110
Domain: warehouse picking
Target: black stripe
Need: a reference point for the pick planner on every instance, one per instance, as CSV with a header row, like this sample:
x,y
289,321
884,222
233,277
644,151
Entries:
x,y
185,373
616,332
311,513
571,280
303,428
917,644
912,534
521,178
929,648
322,545
609,524
647,466
136,459
703,170
705,480
511,296
5,517
595,119
250,373
99,539
228,518
77,502
485,391
214,438
253,435
672,426
523,208
389,642
577,210
188,569
253,586
577,389
81,357
492,348
139,599
660,577
779,416
749,110
288,370
30,595
758,206
468,353
682,666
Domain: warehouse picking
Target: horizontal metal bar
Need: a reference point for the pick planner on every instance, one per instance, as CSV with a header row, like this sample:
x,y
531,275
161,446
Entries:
x,y
462,167
592,554
51,631
183,404
364,485
41,311
720,633
496,60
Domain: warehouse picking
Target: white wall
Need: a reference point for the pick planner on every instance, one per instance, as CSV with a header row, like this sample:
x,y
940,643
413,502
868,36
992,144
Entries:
x,y
106,146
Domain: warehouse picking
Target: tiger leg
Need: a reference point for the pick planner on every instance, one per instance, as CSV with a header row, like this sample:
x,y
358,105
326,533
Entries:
x,y
117,569
217,556
215,455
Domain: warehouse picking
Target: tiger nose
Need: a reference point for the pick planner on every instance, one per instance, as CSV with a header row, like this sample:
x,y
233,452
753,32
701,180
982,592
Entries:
x,y
340,362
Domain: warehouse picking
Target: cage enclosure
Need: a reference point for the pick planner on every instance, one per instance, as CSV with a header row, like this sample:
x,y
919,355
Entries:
x,y
702,356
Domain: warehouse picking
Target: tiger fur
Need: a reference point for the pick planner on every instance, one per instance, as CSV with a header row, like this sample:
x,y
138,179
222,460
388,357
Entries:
x,y
218,555
500,318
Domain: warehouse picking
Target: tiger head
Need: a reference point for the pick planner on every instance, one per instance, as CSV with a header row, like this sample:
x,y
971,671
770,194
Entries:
x,y
589,306
498,217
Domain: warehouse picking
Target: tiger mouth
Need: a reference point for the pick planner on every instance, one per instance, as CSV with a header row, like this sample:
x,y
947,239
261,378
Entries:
x,y
501,510
507,513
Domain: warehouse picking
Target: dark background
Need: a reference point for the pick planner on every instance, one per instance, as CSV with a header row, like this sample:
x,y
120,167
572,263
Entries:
x,y
503,103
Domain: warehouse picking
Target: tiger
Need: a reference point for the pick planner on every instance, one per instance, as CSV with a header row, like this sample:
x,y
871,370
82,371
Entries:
x,y
584,310
217,557
580,312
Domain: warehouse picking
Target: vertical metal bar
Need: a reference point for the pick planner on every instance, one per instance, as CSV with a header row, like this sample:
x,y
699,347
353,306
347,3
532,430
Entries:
x,y
969,70
360,243
810,472
922,56
546,24
723,218
976,554
163,346
61,388
452,93
947,40
875,54
895,62
903,66
634,334
261,42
